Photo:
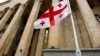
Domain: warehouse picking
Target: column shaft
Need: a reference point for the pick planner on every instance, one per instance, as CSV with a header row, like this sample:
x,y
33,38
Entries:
x,y
5,18
11,31
34,43
92,25
29,29
40,42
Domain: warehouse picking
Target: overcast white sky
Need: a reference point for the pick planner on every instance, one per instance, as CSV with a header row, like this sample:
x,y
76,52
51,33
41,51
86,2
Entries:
x,y
2,1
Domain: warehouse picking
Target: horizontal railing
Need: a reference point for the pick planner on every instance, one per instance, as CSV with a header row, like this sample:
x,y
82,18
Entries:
x,y
71,52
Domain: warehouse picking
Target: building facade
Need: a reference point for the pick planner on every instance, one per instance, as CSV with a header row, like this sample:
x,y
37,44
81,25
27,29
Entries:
x,y
17,31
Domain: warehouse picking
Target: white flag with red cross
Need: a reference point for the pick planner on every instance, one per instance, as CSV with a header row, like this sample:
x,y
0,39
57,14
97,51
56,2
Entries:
x,y
53,15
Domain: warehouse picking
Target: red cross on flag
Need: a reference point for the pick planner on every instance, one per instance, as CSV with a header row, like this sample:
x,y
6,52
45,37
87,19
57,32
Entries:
x,y
53,15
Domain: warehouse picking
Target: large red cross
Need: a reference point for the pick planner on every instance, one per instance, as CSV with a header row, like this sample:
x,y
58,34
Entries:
x,y
52,13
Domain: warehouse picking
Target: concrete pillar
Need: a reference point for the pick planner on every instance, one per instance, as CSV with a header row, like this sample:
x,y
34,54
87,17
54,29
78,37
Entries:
x,y
11,31
92,25
29,29
6,17
40,43
54,35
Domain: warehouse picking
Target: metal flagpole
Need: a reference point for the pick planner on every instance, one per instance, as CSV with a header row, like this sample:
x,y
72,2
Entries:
x,y
78,51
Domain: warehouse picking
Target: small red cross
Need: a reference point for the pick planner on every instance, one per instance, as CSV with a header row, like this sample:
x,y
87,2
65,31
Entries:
x,y
60,16
42,23
59,5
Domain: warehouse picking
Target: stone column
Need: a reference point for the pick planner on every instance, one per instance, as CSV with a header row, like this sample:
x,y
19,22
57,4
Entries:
x,y
11,31
29,29
34,43
92,25
6,17
54,35
40,43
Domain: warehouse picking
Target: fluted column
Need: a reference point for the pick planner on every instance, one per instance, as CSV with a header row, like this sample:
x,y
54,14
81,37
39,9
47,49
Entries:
x,y
6,17
54,35
92,25
29,29
11,31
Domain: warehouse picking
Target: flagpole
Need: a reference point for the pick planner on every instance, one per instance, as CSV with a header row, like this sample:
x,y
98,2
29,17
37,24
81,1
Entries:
x,y
78,51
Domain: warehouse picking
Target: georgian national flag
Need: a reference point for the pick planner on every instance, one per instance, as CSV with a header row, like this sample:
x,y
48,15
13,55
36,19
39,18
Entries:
x,y
53,15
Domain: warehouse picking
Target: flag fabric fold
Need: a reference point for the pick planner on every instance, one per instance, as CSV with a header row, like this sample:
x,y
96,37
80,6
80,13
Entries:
x,y
53,15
